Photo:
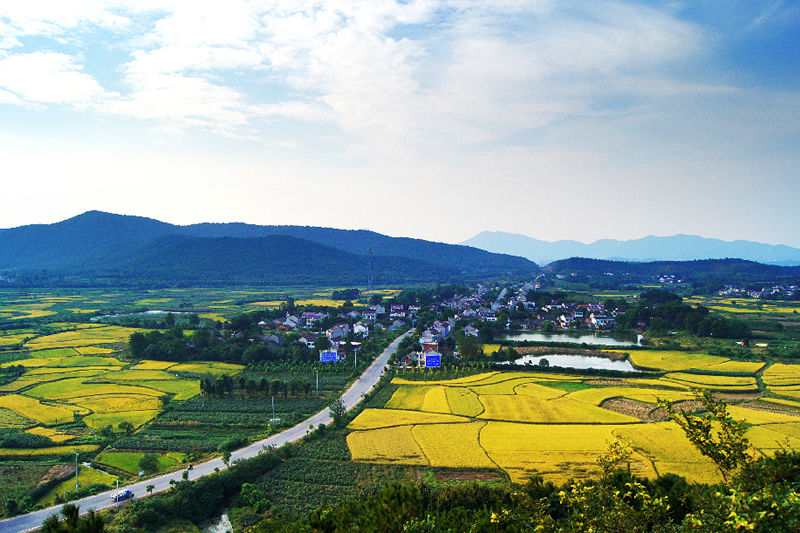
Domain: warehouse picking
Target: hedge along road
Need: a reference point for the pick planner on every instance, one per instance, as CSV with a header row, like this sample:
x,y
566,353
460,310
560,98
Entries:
x,y
350,398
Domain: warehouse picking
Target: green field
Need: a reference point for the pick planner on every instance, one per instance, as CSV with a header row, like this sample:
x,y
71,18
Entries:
x,y
129,461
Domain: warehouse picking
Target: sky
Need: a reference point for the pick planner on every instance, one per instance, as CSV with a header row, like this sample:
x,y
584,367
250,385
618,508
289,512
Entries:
x,y
431,119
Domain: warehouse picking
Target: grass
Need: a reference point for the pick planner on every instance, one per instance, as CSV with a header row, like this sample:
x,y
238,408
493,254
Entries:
x,y
137,418
86,478
129,461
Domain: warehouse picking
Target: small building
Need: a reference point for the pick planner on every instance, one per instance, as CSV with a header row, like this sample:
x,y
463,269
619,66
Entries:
x,y
361,329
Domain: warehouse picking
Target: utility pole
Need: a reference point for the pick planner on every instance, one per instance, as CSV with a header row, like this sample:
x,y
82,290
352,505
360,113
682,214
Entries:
x,y
76,472
316,371
273,407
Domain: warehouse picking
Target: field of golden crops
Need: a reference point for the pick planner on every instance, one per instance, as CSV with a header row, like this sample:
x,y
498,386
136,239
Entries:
x,y
673,360
525,423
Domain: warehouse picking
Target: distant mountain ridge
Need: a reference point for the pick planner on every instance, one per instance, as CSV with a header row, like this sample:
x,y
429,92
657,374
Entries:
x,y
646,249
96,243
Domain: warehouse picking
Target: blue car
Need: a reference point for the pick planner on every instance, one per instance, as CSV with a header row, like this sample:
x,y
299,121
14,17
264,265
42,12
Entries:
x,y
122,495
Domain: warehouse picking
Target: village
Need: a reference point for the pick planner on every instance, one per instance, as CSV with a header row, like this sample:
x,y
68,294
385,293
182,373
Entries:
x,y
440,326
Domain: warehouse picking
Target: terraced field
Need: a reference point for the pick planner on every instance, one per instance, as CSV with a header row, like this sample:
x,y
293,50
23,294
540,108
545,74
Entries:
x,y
72,375
557,426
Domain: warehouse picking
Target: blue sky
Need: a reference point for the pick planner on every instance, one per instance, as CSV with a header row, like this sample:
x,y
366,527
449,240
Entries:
x,y
433,119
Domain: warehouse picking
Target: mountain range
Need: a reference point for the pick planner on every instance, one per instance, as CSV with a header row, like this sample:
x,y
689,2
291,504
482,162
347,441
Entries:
x,y
98,245
651,248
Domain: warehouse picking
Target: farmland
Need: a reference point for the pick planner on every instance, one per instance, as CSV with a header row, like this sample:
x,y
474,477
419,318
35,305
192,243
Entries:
x,y
68,383
525,423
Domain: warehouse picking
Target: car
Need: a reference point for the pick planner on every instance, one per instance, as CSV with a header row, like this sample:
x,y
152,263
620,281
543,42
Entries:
x,y
122,495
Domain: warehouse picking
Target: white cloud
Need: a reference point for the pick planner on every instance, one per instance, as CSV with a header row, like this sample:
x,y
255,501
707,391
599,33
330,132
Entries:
x,y
475,72
47,78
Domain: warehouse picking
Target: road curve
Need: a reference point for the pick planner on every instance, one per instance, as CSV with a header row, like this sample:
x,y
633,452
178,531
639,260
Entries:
x,y
350,398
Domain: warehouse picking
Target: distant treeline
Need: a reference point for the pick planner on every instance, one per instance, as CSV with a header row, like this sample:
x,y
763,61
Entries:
x,y
664,311
704,276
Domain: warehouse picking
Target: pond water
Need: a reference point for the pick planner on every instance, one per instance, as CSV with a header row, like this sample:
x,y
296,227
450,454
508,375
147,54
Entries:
x,y
587,338
154,312
577,361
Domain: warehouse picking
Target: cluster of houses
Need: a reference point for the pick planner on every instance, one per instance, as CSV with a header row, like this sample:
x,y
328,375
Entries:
x,y
592,315
357,323
772,292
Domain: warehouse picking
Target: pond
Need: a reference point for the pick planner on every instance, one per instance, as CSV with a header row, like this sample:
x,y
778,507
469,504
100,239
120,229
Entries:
x,y
578,361
587,338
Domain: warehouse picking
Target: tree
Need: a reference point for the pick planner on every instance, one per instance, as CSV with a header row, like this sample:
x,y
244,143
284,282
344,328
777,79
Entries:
x,y
322,343
226,457
137,345
338,411
717,435
150,488
149,463
126,427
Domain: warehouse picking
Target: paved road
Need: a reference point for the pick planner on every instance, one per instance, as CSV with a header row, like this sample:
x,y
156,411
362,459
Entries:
x,y
351,397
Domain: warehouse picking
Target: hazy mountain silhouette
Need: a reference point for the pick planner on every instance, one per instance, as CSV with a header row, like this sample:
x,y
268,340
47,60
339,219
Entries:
x,y
674,248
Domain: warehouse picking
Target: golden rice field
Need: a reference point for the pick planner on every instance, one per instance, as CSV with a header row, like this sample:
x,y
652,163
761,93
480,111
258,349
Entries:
x,y
73,373
721,383
781,374
52,434
489,349
83,337
327,302
44,413
207,367
673,360
154,365
515,422
44,452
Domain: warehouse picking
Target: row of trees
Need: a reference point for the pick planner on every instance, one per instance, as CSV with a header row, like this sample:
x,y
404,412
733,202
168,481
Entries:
x,y
226,385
